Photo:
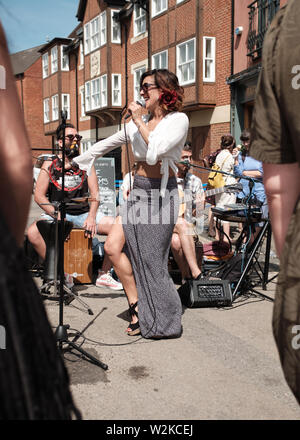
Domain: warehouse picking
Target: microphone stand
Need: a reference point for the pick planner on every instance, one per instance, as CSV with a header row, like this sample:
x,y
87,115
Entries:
x,y
61,331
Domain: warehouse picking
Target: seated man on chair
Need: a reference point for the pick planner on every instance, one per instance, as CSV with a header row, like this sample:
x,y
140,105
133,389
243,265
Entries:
x,y
77,184
183,244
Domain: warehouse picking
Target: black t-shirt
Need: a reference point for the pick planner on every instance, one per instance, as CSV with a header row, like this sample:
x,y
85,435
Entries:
x,y
76,185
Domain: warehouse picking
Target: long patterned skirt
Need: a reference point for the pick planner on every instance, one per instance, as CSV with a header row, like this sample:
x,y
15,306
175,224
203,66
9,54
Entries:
x,y
148,223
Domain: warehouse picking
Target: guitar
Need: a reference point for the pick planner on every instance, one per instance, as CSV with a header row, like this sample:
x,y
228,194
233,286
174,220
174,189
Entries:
x,y
184,198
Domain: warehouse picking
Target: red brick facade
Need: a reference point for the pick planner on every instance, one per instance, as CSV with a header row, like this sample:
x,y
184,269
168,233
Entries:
x,y
29,86
207,103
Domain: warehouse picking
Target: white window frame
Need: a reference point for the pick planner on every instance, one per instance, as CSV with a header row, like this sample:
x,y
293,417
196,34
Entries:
x,y
188,63
87,38
95,33
96,93
139,20
212,59
179,1
87,96
81,54
103,90
46,105
137,73
64,57
55,108
82,102
54,59
45,64
115,25
158,6
102,28
116,90
85,144
67,107
158,56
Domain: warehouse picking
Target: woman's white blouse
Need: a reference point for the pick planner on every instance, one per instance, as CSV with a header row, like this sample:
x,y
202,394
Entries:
x,y
165,144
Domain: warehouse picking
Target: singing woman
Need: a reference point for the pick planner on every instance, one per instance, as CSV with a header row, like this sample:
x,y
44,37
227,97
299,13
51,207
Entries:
x,y
156,140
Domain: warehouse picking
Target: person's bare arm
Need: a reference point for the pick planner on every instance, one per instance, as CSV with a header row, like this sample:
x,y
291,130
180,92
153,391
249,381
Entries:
x,y
41,189
15,155
282,185
256,174
90,223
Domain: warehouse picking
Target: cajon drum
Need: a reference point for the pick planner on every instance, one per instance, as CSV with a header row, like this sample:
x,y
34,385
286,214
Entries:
x,y
78,257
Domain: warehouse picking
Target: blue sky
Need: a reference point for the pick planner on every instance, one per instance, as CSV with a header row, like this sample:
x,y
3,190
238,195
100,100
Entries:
x,y
29,23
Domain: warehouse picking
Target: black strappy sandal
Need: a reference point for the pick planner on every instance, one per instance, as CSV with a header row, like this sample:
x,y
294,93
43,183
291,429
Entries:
x,y
134,328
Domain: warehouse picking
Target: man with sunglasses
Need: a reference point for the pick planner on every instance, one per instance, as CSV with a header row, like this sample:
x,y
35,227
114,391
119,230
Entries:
x,y
77,184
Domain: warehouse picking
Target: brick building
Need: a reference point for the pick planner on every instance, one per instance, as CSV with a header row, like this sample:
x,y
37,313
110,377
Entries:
x,y
94,73
251,21
26,67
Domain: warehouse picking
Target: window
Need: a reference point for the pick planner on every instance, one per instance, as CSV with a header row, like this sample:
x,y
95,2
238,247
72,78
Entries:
x,y
139,20
45,65
159,6
87,97
103,90
82,106
186,62
116,97
160,60
65,104
54,65
209,59
54,100
96,93
115,28
46,111
137,76
95,33
87,40
81,54
179,1
64,58
86,144
103,28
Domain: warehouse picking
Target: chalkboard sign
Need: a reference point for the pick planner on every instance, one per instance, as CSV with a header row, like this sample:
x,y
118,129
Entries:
x,y
105,170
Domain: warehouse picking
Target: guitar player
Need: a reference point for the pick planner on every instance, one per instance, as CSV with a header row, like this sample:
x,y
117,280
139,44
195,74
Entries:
x,y
183,244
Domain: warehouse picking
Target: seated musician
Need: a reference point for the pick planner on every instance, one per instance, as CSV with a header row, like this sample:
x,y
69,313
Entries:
x,y
246,166
82,214
183,244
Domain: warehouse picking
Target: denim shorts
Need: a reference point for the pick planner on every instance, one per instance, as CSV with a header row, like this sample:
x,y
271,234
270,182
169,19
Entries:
x,y
77,220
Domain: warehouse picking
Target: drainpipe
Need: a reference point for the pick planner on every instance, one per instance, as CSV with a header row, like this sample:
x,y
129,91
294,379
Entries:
x,y
232,87
76,94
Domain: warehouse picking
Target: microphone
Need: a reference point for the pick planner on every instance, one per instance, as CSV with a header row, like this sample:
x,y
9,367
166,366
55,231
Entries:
x,y
140,102
186,163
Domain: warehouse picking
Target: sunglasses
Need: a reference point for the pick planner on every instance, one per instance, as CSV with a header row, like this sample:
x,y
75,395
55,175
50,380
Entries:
x,y
71,137
146,86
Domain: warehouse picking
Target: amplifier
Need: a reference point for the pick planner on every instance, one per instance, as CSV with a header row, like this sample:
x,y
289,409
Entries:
x,y
205,293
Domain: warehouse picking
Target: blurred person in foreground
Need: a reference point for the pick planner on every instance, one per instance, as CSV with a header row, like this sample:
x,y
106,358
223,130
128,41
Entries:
x,y
275,140
34,384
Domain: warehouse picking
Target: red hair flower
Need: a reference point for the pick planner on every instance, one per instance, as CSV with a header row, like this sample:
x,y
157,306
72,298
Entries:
x,y
168,98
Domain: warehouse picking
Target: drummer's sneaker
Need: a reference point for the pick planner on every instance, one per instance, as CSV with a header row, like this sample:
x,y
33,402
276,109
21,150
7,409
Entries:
x,y
106,280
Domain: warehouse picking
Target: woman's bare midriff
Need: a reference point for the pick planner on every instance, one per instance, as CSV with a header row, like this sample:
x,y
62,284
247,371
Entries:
x,y
151,171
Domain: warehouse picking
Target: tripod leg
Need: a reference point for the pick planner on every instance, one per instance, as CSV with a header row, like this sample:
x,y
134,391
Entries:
x,y
69,291
87,355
